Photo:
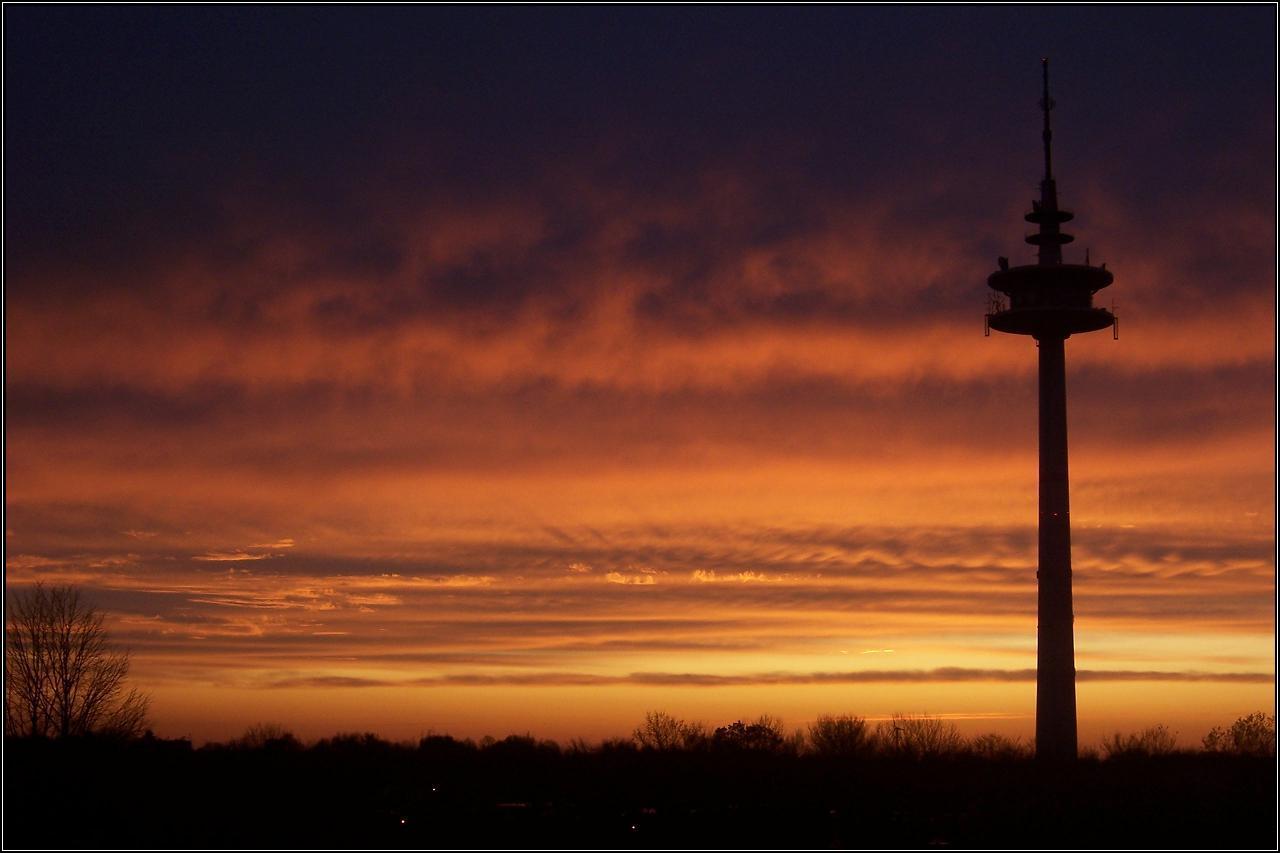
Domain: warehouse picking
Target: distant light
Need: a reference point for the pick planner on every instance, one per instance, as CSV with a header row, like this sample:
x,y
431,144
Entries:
x,y
403,821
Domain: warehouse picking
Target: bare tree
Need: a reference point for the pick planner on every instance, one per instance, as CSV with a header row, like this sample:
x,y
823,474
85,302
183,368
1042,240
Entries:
x,y
663,732
845,736
269,736
909,736
62,677
660,731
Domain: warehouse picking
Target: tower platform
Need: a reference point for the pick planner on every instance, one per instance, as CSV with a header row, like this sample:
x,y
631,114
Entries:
x,y
1049,300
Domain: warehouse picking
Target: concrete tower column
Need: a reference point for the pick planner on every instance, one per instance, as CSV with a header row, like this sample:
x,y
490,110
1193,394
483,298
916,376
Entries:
x,y
1055,673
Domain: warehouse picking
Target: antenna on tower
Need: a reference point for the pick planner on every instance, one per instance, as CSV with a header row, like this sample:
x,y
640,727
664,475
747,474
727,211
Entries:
x,y
1046,104
1046,213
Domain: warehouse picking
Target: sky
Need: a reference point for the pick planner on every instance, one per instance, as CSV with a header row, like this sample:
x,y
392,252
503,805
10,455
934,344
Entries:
x,y
492,370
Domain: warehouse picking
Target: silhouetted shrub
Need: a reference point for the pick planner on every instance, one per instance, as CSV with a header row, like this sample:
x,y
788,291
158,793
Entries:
x,y
1154,740
764,735
617,745
845,736
578,746
352,743
1254,734
515,747
267,736
149,741
660,731
695,736
445,747
996,747
907,736
664,733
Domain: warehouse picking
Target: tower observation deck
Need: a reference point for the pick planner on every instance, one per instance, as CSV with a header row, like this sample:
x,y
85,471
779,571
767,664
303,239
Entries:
x,y
1050,301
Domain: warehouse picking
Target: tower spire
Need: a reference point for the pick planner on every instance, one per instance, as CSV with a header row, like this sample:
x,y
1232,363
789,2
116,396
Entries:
x,y
1046,104
1045,212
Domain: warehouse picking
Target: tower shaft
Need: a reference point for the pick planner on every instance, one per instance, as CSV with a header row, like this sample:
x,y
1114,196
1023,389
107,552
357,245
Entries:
x,y
1056,672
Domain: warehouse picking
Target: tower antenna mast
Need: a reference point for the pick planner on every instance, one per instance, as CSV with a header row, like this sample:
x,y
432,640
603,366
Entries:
x,y
1046,104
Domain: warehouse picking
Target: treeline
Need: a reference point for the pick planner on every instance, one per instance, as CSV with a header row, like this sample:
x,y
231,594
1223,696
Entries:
x,y
838,736
920,737
906,782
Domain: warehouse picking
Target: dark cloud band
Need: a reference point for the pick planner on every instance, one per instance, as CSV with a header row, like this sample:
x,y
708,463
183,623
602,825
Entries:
x,y
661,679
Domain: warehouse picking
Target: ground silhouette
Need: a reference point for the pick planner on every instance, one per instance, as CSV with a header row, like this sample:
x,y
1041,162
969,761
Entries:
x,y
845,787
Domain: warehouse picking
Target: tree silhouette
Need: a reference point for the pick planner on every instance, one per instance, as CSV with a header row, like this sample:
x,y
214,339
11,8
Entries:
x,y
271,736
663,732
764,735
997,747
62,677
1153,740
908,736
1254,734
845,736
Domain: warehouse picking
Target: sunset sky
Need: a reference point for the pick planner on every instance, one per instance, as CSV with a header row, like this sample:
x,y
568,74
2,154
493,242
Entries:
x,y
502,369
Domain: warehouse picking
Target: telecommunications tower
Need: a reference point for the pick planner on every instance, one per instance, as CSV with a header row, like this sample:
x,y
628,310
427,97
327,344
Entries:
x,y
1051,300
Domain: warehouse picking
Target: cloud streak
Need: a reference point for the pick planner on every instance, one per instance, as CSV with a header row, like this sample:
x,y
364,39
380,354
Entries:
x,y
664,679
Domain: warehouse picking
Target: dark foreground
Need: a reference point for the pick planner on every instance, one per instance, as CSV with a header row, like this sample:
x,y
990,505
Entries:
x,y
523,794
